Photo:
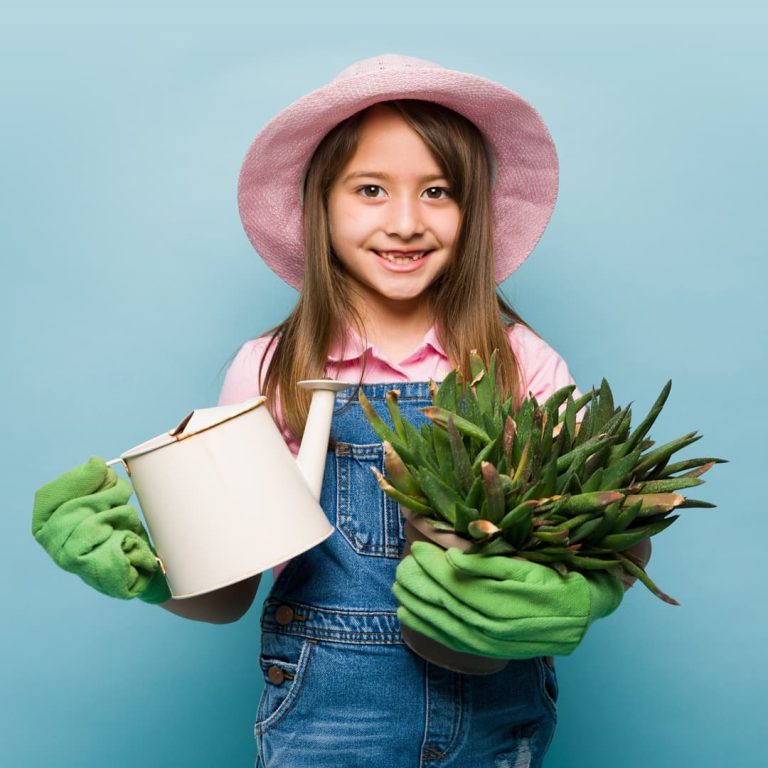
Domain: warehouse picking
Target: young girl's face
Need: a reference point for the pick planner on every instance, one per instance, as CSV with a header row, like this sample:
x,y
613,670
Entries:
x,y
392,217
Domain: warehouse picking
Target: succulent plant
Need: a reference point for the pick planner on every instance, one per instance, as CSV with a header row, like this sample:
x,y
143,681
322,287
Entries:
x,y
537,482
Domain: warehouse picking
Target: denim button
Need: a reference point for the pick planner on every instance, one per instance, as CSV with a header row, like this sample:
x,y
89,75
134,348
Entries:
x,y
276,675
284,614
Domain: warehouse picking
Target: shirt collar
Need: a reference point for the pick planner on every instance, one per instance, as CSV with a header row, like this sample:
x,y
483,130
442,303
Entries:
x,y
355,348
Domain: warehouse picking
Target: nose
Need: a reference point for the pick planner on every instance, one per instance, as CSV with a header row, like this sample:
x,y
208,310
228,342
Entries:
x,y
405,220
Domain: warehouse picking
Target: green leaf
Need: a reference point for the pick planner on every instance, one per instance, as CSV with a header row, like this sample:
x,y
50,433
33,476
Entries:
x,y
556,399
417,504
607,521
621,541
448,394
484,386
464,516
521,513
619,473
587,502
419,448
586,431
496,546
692,503
585,529
439,417
397,473
627,516
594,481
582,400
583,451
642,429
476,494
569,419
592,563
681,466
524,420
442,448
482,528
442,497
439,525
666,486
661,454
494,492
461,463
604,408
490,452
380,427
394,412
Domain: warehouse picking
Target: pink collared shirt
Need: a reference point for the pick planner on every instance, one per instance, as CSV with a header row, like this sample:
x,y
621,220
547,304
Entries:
x,y
543,370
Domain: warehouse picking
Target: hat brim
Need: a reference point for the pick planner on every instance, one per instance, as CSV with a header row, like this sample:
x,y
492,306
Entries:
x,y
526,166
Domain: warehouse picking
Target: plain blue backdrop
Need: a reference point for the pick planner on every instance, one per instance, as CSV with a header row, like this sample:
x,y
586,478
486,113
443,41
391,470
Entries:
x,y
128,284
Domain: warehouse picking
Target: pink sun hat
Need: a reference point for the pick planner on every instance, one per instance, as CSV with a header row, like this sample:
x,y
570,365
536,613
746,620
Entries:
x,y
524,157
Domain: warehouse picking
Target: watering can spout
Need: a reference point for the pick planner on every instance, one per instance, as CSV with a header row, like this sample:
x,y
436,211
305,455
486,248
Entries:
x,y
314,443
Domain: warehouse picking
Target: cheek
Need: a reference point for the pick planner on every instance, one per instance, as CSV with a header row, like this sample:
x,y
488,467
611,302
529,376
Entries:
x,y
346,230
338,232
449,227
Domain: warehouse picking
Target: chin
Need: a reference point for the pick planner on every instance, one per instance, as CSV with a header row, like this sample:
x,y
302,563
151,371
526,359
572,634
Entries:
x,y
404,297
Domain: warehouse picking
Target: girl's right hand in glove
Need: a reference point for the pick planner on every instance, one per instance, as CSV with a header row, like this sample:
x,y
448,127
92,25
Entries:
x,y
84,522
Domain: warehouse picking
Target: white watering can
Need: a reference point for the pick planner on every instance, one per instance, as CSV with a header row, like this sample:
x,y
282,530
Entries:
x,y
222,495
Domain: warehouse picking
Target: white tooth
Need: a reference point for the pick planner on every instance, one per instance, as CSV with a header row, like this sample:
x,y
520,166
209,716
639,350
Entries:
x,y
401,259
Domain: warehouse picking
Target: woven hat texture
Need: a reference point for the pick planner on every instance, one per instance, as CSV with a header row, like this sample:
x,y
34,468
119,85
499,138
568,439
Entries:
x,y
524,156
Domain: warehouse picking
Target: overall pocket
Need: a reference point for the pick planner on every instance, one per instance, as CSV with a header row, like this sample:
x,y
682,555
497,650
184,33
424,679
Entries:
x,y
284,674
366,517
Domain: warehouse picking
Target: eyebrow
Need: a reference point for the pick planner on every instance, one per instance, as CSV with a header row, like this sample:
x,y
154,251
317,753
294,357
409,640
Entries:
x,y
387,177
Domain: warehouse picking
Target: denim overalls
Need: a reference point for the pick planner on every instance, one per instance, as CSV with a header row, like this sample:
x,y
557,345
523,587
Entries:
x,y
341,687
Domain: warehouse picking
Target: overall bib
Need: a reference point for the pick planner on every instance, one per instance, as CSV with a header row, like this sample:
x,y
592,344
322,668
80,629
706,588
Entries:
x,y
341,689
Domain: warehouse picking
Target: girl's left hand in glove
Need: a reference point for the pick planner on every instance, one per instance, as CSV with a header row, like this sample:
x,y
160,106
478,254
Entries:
x,y
499,606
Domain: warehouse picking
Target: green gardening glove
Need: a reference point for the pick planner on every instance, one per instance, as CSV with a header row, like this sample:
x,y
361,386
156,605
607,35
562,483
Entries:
x,y
499,606
84,522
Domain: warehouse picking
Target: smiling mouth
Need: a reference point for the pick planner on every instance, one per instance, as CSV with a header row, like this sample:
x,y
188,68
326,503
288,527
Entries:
x,y
403,257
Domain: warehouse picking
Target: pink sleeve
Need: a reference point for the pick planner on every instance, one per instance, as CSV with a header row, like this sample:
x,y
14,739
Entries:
x,y
543,371
242,378
242,382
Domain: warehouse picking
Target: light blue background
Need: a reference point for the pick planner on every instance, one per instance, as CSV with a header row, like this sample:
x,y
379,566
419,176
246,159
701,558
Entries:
x,y
128,284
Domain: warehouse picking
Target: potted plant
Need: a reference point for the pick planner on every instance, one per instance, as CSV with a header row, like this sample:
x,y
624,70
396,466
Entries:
x,y
567,483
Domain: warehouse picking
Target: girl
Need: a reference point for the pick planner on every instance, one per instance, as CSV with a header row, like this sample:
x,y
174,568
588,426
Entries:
x,y
395,199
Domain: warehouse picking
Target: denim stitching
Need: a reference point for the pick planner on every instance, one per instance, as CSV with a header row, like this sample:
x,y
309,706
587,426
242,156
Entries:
x,y
287,704
346,453
423,757
312,630
379,392
335,611
348,637
456,688
542,679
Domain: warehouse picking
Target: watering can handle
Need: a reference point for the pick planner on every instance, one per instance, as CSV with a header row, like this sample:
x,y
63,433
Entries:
x,y
119,460
314,443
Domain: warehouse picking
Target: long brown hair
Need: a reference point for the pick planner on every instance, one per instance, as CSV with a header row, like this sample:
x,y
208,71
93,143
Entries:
x,y
468,311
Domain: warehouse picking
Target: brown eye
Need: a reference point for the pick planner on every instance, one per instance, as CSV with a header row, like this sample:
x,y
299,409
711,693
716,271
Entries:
x,y
371,190
436,193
